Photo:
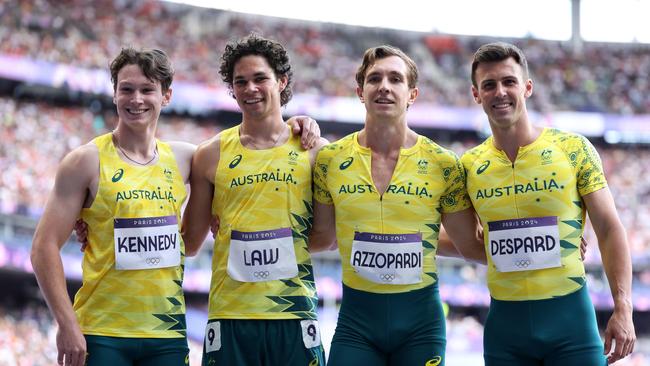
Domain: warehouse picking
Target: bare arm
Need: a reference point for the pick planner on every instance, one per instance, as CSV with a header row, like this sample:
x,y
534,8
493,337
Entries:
x,y
74,177
614,249
466,234
198,213
323,232
183,152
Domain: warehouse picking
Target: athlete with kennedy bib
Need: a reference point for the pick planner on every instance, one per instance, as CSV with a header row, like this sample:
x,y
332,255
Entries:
x,y
532,188
257,179
386,189
128,187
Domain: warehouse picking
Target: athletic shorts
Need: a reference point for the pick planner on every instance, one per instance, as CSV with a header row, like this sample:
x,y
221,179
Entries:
x,y
389,329
561,331
113,351
292,342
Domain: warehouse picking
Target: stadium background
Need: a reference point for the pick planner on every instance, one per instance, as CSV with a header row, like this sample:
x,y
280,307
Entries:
x,y
55,94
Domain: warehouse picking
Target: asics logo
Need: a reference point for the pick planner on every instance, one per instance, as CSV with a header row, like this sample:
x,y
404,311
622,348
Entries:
x,y
346,163
118,175
483,166
434,361
235,161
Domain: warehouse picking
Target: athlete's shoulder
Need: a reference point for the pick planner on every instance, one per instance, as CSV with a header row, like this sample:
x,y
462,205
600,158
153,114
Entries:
x,y
474,153
337,147
432,148
570,142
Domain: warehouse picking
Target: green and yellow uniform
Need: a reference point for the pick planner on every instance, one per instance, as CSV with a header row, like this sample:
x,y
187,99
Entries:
x,y
261,268
388,242
133,265
533,217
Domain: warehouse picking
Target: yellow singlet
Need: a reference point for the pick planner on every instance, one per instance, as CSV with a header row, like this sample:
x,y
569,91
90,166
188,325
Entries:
x,y
133,265
388,242
533,208
261,268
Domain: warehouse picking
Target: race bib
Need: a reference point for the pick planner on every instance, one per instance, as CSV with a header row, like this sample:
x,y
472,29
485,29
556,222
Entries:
x,y
524,244
394,259
262,255
147,243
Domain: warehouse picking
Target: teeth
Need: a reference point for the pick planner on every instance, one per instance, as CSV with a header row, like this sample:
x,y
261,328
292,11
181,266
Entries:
x,y
136,111
253,101
502,105
383,101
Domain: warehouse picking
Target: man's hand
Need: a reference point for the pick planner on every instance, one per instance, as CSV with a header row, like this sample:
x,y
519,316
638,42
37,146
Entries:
x,y
307,128
81,230
71,346
620,328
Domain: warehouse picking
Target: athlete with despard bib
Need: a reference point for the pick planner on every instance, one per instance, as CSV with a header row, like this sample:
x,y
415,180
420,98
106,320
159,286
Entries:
x,y
532,188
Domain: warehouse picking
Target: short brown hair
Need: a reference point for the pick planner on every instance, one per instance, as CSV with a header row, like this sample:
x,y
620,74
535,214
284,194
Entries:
x,y
154,63
377,53
498,51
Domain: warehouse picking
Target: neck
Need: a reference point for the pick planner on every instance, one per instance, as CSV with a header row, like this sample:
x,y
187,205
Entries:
x,y
262,134
513,137
386,137
141,143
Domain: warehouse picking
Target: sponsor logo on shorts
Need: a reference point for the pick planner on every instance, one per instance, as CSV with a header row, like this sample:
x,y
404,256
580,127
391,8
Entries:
x,y
235,161
118,175
346,163
483,166
434,361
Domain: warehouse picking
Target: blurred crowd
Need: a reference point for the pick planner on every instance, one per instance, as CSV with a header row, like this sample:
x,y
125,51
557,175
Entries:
x,y
604,78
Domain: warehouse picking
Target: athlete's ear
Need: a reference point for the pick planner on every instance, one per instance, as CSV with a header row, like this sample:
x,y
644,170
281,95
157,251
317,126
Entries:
x,y
360,94
283,81
529,88
413,95
167,97
475,94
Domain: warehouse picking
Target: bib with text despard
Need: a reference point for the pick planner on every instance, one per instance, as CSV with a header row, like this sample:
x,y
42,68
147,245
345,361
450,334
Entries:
x,y
262,255
524,244
147,243
394,259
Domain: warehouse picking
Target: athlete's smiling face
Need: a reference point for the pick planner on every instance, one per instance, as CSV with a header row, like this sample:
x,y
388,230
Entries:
x,y
138,99
502,91
385,91
256,87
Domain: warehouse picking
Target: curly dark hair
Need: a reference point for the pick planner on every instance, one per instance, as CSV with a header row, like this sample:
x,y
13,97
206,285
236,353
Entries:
x,y
155,65
274,53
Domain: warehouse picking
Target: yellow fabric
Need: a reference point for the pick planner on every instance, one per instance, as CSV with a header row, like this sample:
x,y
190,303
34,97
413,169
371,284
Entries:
x,y
548,178
132,303
428,180
259,190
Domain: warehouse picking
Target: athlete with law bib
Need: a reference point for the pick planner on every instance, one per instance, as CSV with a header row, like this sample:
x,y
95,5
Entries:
x,y
387,189
257,179
532,188
128,187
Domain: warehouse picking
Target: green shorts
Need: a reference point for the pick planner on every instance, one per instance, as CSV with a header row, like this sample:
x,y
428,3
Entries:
x,y
389,329
113,351
292,342
561,331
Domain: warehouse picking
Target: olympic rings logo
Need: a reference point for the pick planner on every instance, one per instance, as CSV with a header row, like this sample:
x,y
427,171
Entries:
x,y
152,261
387,277
523,263
261,274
